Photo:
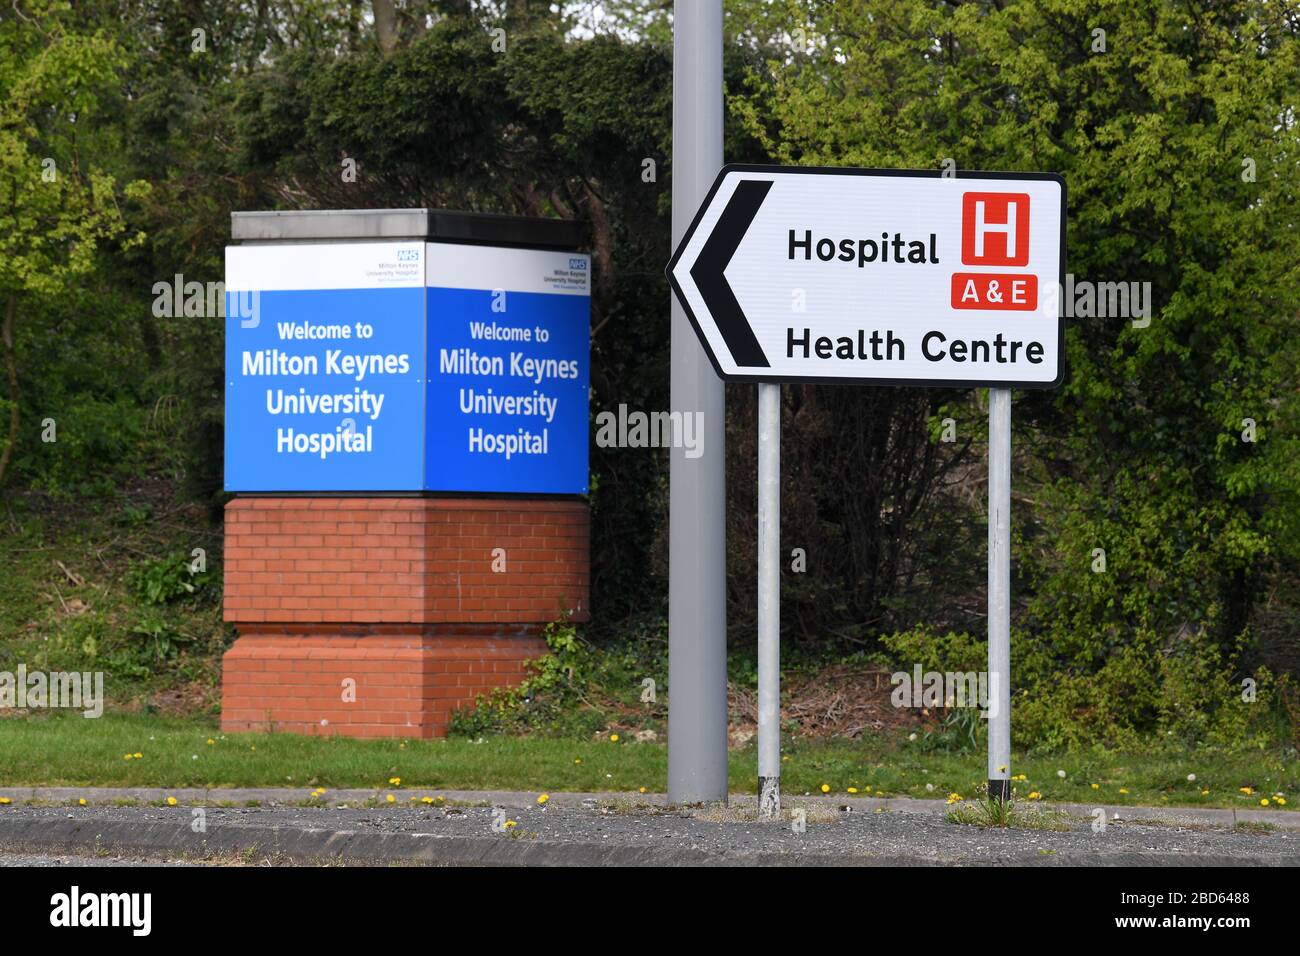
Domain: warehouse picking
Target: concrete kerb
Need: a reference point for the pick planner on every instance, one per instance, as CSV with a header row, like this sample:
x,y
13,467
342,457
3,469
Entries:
x,y
287,833
295,796
325,846
311,845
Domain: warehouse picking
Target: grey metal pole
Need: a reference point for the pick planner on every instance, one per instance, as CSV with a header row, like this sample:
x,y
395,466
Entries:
x,y
697,617
769,601
999,680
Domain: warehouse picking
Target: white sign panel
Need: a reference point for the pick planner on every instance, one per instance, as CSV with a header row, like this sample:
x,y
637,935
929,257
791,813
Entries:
x,y
901,277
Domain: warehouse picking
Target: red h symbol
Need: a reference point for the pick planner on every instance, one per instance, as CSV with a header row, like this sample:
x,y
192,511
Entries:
x,y
995,229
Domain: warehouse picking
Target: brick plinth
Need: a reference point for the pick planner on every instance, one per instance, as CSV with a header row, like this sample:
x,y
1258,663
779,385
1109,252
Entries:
x,y
423,603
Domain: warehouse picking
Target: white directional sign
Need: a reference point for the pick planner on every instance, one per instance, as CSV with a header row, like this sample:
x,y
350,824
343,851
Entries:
x,y
902,277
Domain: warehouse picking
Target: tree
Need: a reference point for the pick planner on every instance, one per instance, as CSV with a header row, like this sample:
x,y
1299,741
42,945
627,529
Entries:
x,y
1175,128
54,209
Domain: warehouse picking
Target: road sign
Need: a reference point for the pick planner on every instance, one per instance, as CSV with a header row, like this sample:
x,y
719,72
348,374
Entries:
x,y
891,277
887,277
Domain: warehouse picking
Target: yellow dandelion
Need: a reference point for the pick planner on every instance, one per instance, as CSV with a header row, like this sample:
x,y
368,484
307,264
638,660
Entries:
x,y
1123,790
211,742
4,801
390,798
139,756
1281,801
82,802
1205,793
394,781
641,790
171,801
613,738
577,760
826,788
1246,790
426,799
1096,786
510,824
542,798
1264,802
853,789
1035,795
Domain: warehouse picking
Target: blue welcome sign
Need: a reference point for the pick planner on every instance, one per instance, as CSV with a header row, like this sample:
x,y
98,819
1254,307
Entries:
x,y
406,366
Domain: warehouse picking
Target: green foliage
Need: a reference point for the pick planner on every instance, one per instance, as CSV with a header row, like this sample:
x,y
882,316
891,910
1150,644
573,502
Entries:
x,y
1003,814
157,640
1140,453
166,579
97,614
548,696
94,439
961,730
58,209
575,690
1116,694
943,653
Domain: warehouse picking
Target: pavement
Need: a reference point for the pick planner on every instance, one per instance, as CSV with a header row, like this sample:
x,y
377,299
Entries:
x,y
47,826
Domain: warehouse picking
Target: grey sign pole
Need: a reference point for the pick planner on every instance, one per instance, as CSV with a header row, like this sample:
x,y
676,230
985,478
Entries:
x,y
769,600
999,584
697,618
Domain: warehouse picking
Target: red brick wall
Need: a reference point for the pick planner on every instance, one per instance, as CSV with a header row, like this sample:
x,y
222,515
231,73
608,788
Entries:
x,y
405,560
398,594
403,684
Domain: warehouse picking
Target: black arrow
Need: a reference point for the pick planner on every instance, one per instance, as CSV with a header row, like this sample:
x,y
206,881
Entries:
x,y
714,258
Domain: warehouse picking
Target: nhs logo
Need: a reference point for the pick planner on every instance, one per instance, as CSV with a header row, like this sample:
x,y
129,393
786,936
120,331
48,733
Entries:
x,y
578,265
408,255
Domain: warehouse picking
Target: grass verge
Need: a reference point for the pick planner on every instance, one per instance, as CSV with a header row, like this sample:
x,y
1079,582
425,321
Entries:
x,y
59,749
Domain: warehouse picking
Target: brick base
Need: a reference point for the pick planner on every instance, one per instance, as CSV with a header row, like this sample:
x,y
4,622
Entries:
x,y
408,606
365,685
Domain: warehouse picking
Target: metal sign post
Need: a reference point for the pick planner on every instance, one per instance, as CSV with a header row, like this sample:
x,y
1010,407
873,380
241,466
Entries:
x,y
884,277
999,682
769,601
697,572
